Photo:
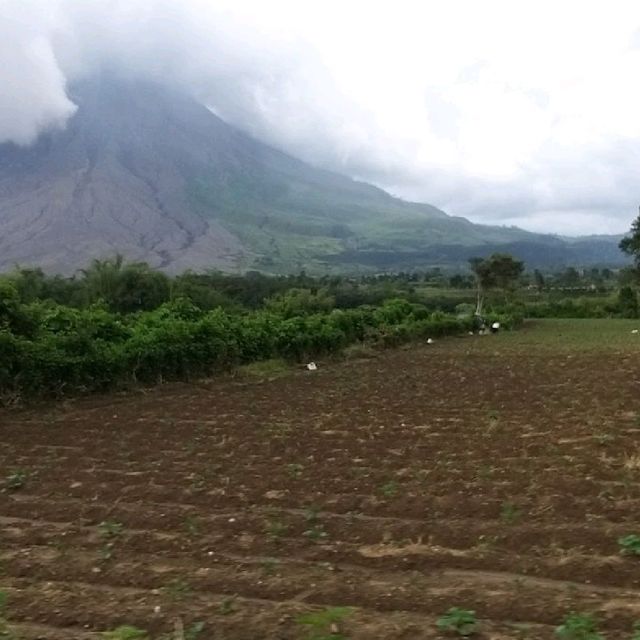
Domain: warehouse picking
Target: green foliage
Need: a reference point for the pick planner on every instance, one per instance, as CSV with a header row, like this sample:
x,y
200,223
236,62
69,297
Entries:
x,y
322,624
16,480
119,323
578,626
227,606
93,349
126,632
110,529
389,489
630,544
15,317
300,302
631,243
499,270
126,287
628,302
584,307
275,529
316,532
510,513
295,469
193,631
462,622
636,631
177,589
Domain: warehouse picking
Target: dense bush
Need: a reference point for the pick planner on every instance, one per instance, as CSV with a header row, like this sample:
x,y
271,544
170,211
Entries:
x,y
583,307
49,349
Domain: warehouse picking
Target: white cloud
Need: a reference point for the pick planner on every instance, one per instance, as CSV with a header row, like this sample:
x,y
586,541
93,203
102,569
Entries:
x,y
512,112
33,95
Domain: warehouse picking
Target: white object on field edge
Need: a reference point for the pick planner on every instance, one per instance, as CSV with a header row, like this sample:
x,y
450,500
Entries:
x,y
634,331
430,341
495,325
312,366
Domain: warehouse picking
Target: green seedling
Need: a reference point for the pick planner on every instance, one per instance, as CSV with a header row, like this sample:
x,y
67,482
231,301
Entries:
x,y
509,513
630,545
192,525
316,533
126,632
323,625
269,566
106,552
578,626
193,631
603,439
389,489
16,480
177,589
462,622
295,470
110,528
275,529
227,606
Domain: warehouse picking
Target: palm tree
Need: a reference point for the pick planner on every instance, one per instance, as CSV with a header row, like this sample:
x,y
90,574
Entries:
x,y
103,278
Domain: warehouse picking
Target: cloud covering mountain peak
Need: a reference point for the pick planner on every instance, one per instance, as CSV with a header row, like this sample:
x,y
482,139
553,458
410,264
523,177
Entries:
x,y
516,113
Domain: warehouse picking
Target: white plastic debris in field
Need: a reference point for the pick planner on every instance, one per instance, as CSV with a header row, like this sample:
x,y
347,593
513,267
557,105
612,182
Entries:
x,y
634,331
430,341
312,366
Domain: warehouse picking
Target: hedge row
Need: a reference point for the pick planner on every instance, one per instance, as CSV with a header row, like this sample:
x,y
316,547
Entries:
x,y
52,350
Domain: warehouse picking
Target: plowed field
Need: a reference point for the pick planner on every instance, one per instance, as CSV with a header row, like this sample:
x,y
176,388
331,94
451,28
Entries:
x,y
491,473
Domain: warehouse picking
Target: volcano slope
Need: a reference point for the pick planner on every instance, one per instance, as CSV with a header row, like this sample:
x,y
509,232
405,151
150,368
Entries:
x,y
490,473
147,171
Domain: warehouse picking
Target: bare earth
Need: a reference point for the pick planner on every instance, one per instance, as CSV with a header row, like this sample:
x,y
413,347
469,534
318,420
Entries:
x,y
486,473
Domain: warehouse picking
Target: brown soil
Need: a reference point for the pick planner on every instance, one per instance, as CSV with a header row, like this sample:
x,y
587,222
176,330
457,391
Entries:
x,y
459,474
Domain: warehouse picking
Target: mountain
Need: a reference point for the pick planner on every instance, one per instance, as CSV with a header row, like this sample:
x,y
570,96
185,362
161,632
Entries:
x,y
149,172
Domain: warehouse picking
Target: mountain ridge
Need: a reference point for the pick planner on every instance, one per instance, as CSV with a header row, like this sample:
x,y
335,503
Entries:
x,y
148,172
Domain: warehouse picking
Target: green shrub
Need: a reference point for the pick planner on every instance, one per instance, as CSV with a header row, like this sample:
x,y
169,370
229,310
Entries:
x,y
462,622
628,302
69,350
630,545
578,626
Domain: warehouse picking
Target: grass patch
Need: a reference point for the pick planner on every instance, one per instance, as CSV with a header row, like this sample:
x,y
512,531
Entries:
x,y
265,369
572,336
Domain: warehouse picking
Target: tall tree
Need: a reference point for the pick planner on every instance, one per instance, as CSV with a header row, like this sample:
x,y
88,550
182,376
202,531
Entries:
x,y
103,277
498,271
631,244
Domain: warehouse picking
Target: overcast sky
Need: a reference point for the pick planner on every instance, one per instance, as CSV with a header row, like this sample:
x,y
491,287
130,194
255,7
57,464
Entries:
x,y
515,112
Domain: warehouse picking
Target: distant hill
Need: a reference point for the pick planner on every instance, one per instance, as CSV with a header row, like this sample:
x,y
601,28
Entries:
x,y
153,174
